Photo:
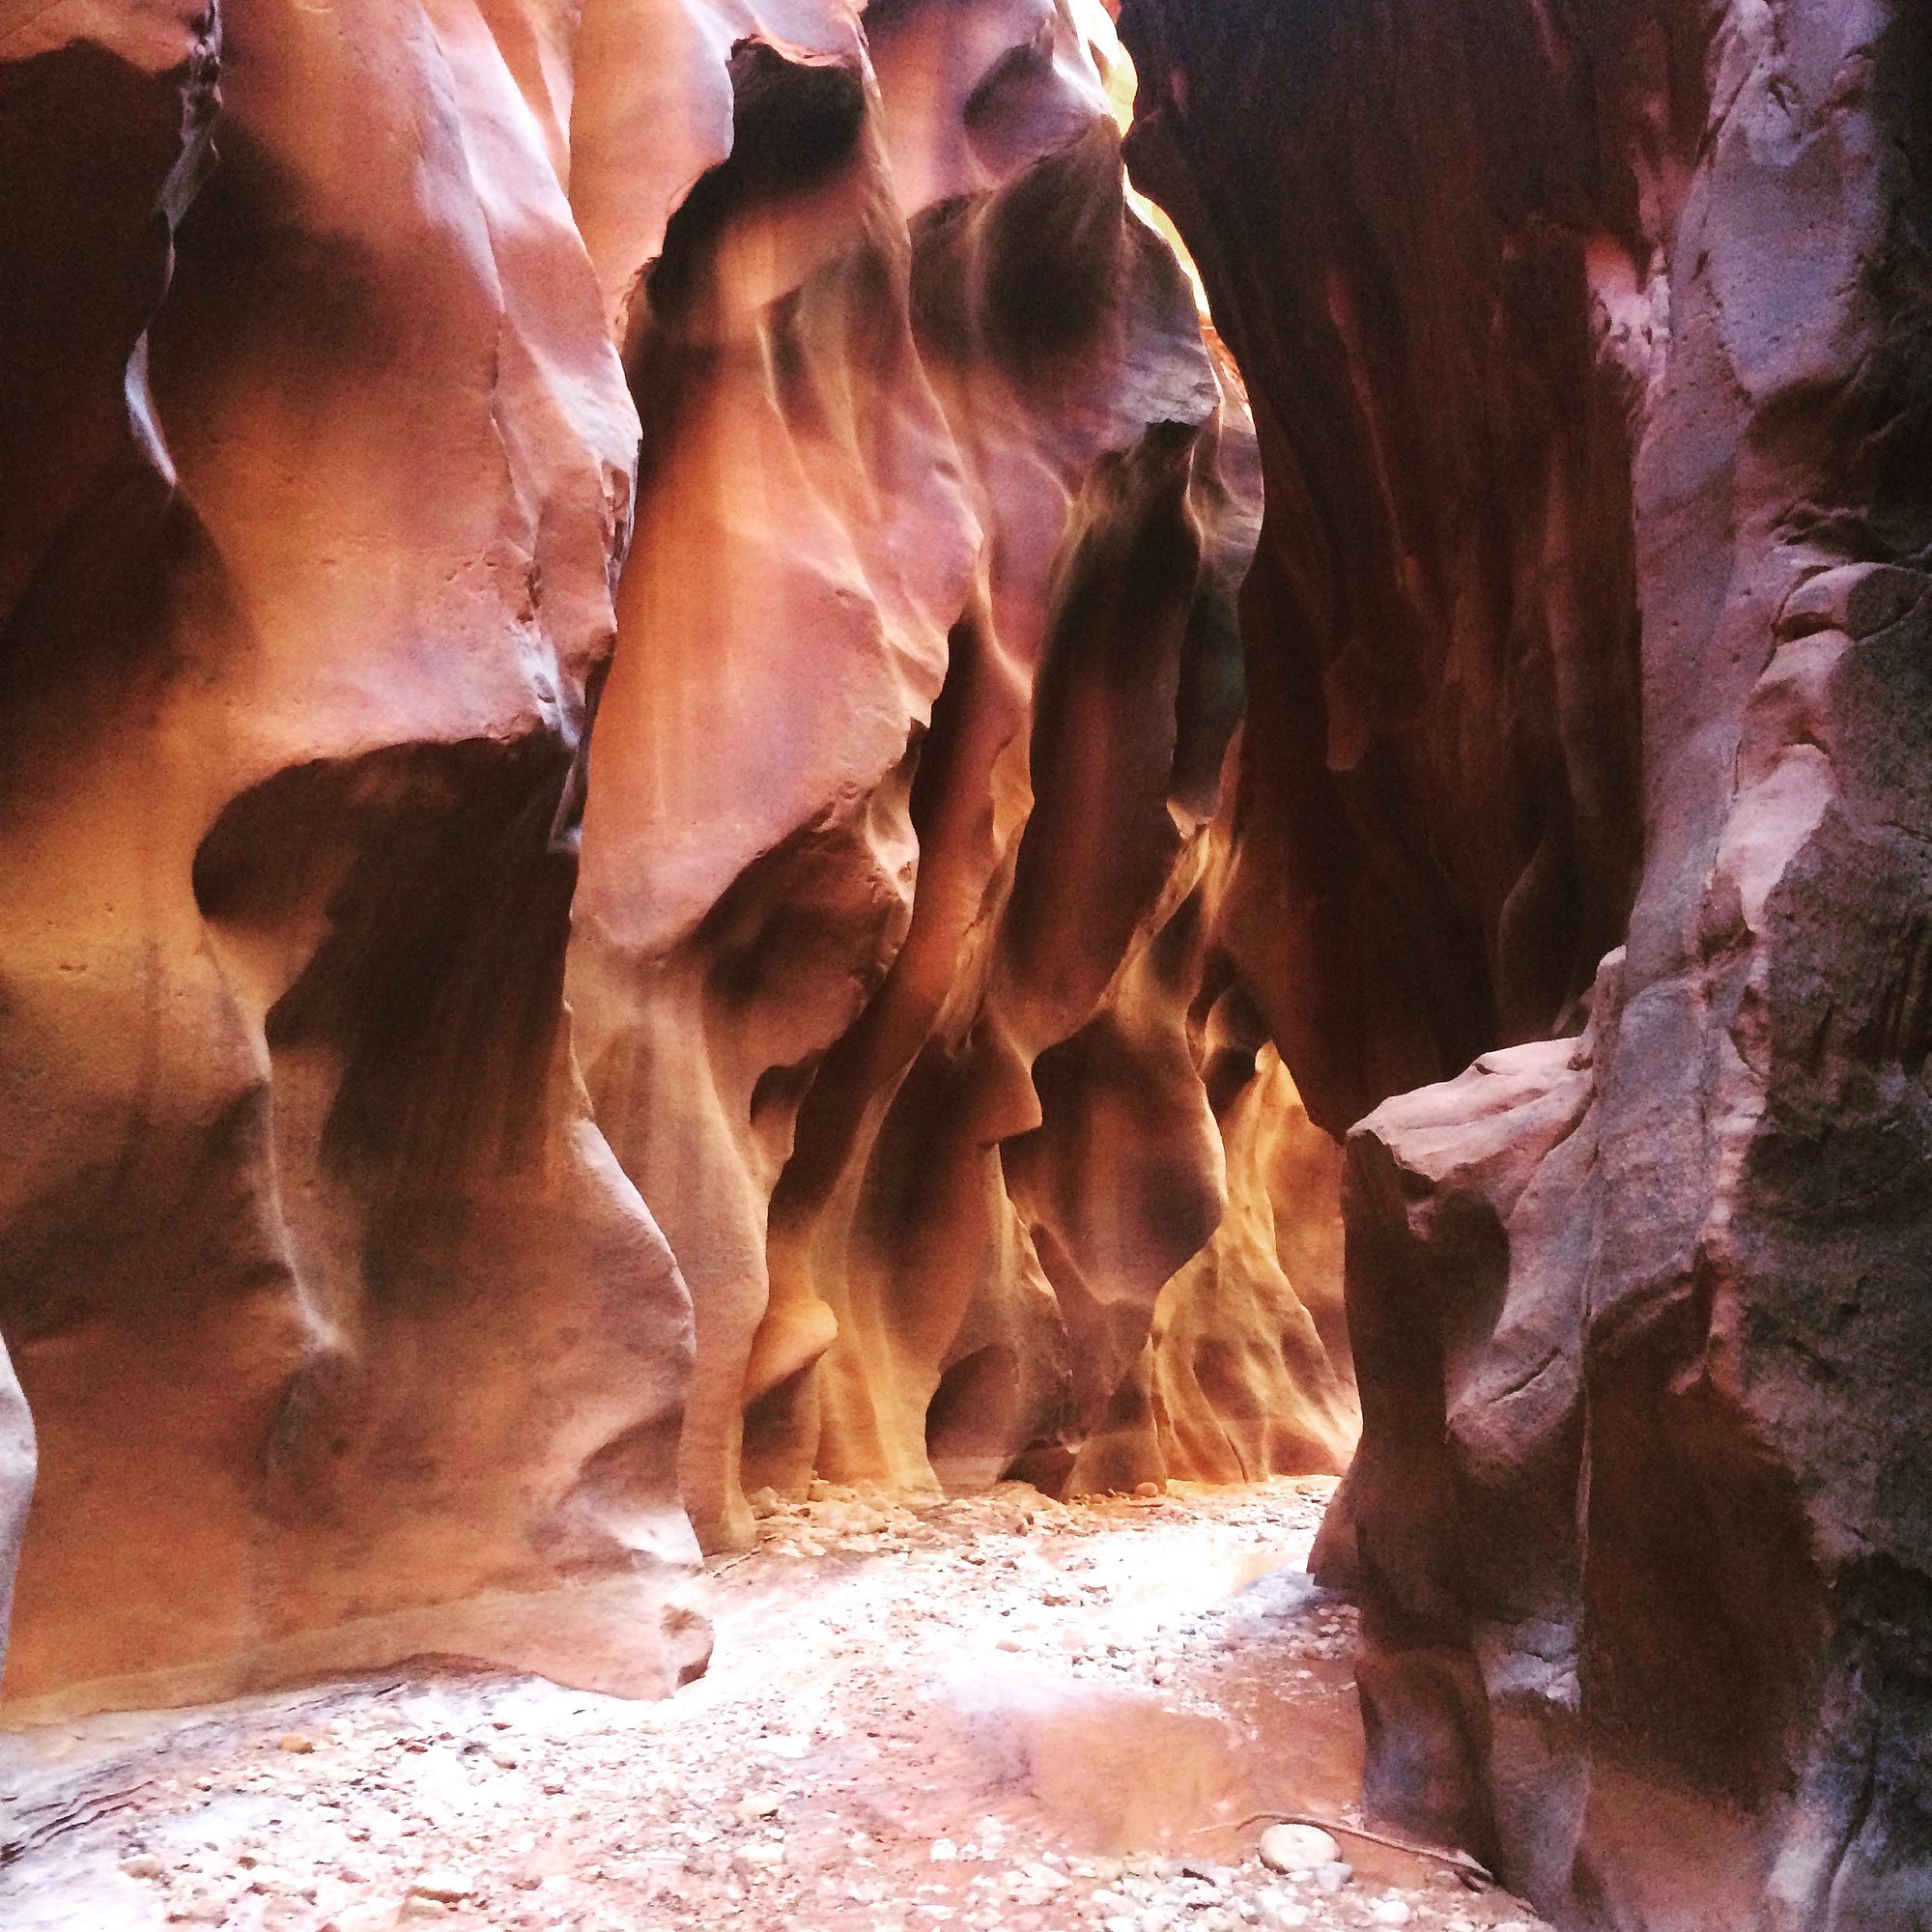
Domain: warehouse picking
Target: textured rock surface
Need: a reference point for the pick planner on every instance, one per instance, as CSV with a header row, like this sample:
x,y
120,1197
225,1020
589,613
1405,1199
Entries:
x,y
897,968
894,876
1397,211
341,1327
1643,1317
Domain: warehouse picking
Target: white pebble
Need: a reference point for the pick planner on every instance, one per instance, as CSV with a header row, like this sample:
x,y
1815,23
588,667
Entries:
x,y
1297,1848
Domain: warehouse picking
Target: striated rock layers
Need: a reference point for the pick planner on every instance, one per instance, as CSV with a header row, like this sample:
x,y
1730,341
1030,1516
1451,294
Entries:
x,y
387,391
1591,353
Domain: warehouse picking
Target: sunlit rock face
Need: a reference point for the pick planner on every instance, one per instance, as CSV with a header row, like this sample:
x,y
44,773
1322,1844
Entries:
x,y
1592,358
897,968
389,392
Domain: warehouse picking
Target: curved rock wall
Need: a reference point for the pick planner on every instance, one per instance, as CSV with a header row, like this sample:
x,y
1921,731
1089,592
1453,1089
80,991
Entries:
x,y
1400,212
1636,306
389,390
897,964
328,1301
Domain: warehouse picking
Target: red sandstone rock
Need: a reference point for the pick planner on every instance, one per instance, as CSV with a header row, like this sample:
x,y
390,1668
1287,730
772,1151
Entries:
x,y
341,1329
898,993
884,973
1552,321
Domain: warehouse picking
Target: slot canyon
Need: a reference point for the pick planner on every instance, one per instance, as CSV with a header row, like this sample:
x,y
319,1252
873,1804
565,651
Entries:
x,y
966,963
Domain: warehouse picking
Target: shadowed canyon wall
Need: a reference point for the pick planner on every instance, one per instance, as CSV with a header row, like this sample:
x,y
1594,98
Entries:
x,y
621,710
1591,356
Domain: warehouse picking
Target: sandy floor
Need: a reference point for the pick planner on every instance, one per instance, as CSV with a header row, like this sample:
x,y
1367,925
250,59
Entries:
x,y
995,1712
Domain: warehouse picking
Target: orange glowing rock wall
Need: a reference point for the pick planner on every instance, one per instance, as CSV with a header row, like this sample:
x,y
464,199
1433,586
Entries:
x,y
620,695
895,970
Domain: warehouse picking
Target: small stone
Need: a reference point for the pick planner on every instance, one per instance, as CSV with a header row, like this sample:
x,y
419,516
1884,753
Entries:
x,y
443,1888
1287,1918
1333,1876
1297,1848
143,1865
1390,1912
200,1909
297,1744
1042,1878
414,1907
1008,1643
944,1851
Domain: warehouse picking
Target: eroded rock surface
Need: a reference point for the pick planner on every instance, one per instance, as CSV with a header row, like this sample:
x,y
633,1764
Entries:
x,y
1593,359
897,963
327,1299
389,390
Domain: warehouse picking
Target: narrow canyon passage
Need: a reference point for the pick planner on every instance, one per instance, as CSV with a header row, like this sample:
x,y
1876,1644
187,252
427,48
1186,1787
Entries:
x,y
1001,1714
939,937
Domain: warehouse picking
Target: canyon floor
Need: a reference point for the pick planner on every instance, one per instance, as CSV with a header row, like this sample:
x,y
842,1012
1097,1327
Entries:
x,y
997,1712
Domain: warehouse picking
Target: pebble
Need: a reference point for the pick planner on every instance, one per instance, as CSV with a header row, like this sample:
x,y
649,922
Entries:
x,y
1297,1848
445,1888
1042,1878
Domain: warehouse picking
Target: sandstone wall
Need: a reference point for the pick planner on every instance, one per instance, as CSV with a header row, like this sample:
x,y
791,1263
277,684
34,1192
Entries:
x,y
1592,354
341,1329
388,390
896,962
